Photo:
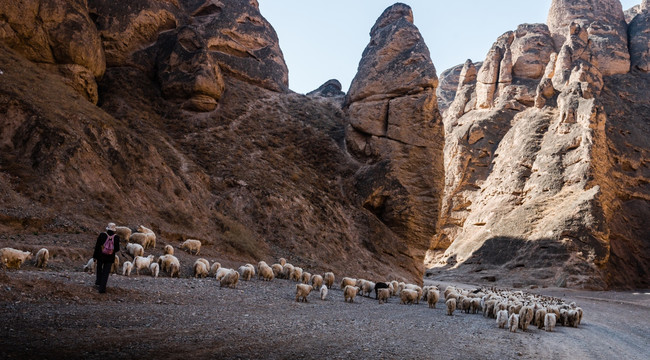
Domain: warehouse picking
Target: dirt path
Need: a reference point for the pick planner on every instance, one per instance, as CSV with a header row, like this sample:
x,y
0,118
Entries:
x,y
59,314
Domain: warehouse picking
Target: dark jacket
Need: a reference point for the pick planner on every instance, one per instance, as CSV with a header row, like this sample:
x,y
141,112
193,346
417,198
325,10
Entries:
x,y
98,254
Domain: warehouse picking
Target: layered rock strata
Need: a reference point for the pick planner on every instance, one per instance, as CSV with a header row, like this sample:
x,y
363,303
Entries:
x,y
396,129
531,148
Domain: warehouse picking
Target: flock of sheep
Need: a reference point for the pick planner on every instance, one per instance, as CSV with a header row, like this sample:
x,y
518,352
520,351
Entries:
x,y
512,309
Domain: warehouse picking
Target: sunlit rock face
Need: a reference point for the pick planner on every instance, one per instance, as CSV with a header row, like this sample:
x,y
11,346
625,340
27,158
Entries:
x,y
395,127
539,179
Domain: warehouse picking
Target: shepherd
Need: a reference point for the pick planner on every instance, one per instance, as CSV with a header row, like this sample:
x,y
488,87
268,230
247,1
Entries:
x,y
107,245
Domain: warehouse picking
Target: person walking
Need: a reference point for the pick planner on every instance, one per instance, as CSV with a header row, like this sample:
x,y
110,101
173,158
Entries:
x,y
107,245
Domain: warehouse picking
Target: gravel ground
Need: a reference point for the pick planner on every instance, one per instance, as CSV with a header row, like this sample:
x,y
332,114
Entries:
x,y
57,314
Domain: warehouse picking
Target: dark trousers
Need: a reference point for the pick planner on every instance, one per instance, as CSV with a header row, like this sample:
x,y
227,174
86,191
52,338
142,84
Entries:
x,y
103,271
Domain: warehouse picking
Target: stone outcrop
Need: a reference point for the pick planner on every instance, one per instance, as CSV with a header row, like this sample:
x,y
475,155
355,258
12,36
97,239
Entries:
x,y
58,34
448,83
639,38
331,88
396,128
531,153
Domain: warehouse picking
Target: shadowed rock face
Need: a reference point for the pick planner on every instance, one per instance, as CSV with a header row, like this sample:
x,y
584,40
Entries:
x,y
59,35
396,128
533,154
639,35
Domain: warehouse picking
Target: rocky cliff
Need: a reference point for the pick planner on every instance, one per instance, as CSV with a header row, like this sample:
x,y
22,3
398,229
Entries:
x,y
546,151
177,115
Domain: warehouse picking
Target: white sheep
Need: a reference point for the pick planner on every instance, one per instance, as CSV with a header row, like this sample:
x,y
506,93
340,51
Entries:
x,y
367,287
316,281
134,249
526,315
572,318
277,270
432,297
549,321
513,322
213,269
282,261
502,318
475,305
141,262
170,263
323,292
408,296
540,314
416,288
168,250
302,291
346,281
123,232
246,272
297,274
451,306
221,272
191,245
349,292
328,279
383,295
42,256
265,272
200,269
230,279
205,261
154,268
127,267
151,237
287,271
90,266
116,265
13,258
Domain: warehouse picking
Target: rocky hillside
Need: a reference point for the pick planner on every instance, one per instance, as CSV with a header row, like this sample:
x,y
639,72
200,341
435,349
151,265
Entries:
x,y
546,154
177,115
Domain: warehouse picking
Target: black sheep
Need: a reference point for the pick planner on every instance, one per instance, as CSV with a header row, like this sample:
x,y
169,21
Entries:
x,y
380,285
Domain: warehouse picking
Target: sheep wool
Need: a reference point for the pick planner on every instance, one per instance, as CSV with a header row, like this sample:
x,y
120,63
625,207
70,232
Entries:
x,y
141,262
200,269
90,266
502,318
245,272
265,272
328,279
135,249
451,306
13,258
316,281
230,279
191,246
323,292
432,297
282,261
513,322
150,237
306,277
213,269
126,268
42,256
168,250
408,296
302,291
549,322
154,268
221,272
348,282
116,265
540,314
277,270
382,295
123,232
349,293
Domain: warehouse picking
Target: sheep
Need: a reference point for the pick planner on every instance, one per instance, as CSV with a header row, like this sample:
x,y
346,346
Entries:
x,y
191,245
451,306
328,279
168,250
394,284
230,279
297,274
502,318
416,288
139,238
141,262
540,314
367,287
526,315
245,272
277,270
408,296
475,305
488,309
382,295
150,236
154,268
204,261
170,263
123,232
513,322
221,272
116,265
13,258
378,286
564,317
323,292
265,272
302,291
549,322
282,261
432,297
200,269
572,318
126,268
287,271
90,266
316,281
348,282
306,277
580,313
213,269
465,304
174,269
349,292
42,256
135,249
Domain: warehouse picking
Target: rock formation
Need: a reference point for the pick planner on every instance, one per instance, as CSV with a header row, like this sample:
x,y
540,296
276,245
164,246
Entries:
x,y
397,129
331,88
639,39
532,150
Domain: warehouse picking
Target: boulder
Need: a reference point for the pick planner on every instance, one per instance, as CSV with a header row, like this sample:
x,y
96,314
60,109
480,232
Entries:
x,y
331,88
639,34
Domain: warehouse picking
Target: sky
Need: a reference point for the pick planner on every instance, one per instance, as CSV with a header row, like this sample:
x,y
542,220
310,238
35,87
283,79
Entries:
x,y
324,39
